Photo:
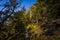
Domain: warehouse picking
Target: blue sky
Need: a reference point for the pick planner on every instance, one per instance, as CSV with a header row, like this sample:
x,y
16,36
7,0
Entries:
x,y
26,3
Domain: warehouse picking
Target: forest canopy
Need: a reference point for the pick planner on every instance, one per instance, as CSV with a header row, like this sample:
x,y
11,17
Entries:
x,y
40,22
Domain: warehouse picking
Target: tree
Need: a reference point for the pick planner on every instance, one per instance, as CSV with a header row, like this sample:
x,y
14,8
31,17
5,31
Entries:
x,y
18,25
46,12
6,12
53,8
9,9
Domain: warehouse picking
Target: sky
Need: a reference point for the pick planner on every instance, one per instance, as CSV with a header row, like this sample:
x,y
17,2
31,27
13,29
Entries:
x,y
26,3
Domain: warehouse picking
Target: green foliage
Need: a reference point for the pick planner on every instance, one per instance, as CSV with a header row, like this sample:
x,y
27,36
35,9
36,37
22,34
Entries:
x,y
34,31
53,8
37,23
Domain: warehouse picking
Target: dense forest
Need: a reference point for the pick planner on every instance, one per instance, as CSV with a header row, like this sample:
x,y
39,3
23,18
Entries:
x,y
40,22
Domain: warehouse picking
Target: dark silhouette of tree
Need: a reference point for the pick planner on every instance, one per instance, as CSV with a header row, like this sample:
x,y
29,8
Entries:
x,y
9,8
